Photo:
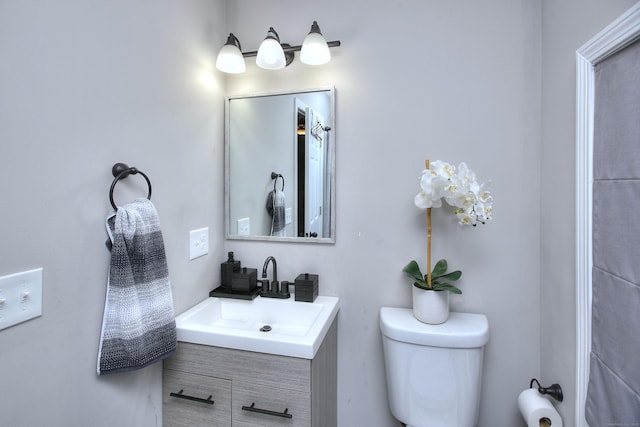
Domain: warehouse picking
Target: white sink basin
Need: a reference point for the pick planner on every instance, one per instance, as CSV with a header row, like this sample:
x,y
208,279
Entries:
x,y
296,328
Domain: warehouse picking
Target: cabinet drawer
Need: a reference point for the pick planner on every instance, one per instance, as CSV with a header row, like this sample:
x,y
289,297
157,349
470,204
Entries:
x,y
239,365
190,408
268,404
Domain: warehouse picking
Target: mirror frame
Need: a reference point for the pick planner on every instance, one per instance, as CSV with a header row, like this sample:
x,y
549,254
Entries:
x,y
331,171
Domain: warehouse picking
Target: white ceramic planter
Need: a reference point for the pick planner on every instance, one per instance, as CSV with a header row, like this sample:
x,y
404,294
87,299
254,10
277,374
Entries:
x,y
430,307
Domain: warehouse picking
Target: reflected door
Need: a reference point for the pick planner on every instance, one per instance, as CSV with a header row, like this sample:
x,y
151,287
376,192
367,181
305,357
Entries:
x,y
314,173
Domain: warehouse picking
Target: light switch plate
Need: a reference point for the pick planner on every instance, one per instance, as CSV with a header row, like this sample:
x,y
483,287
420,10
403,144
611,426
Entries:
x,y
198,242
244,226
288,216
20,297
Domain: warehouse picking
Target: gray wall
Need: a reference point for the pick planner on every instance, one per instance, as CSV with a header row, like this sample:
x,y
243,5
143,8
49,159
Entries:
x,y
83,86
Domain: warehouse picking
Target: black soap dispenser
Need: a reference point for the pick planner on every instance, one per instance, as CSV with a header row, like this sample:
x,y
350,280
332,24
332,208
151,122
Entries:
x,y
227,269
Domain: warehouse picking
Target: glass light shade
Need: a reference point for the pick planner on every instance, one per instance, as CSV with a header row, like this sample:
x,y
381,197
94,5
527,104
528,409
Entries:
x,y
315,50
270,55
230,60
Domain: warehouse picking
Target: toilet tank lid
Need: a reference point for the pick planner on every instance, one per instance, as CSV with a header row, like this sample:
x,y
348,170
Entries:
x,y
461,330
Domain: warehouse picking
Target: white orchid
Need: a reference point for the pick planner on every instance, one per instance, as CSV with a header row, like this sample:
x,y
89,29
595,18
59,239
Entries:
x,y
431,190
459,188
473,203
443,169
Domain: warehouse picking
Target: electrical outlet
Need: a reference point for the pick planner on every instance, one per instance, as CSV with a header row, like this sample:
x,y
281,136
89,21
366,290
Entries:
x,y
244,226
198,242
20,297
288,215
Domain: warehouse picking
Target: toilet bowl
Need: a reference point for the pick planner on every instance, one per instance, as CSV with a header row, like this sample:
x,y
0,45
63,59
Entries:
x,y
434,372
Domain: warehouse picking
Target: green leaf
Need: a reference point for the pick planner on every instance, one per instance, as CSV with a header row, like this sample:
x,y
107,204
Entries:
x,y
413,270
439,277
440,268
453,276
446,287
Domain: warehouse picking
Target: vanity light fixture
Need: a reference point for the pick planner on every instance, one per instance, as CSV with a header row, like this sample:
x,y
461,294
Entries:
x,y
273,54
230,59
270,53
315,50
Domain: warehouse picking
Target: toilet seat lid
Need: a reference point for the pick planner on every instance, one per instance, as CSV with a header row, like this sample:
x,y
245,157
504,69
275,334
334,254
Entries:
x,y
461,330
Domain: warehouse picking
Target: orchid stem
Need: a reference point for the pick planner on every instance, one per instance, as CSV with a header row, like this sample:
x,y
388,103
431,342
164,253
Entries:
x,y
426,165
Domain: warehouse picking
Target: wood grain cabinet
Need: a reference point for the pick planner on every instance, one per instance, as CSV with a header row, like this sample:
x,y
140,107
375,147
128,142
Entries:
x,y
221,387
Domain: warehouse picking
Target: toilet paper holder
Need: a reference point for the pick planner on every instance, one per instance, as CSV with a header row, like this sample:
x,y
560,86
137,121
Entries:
x,y
554,390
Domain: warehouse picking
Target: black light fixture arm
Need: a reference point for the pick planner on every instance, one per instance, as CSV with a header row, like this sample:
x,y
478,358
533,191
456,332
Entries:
x,y
315,28
275,33
288,48
233,41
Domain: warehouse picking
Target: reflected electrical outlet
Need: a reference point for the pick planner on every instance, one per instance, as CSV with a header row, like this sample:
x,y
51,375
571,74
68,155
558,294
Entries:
x,y
244,226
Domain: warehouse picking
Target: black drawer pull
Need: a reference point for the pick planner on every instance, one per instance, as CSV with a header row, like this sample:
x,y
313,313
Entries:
x,y
253,408
179,394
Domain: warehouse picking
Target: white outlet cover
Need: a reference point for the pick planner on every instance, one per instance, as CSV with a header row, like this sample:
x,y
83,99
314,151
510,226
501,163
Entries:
x,y
198,242
20,297
244,226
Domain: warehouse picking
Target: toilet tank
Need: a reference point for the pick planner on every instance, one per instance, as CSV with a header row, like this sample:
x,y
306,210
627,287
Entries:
x,y
434,372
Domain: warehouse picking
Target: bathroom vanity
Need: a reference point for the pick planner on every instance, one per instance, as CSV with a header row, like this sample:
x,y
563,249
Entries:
x,y
213,385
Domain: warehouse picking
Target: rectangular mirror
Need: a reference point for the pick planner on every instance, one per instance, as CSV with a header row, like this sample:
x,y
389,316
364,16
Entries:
x,y
280,166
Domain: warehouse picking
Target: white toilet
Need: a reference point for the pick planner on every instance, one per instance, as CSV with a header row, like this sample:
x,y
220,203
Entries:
x,y
434,372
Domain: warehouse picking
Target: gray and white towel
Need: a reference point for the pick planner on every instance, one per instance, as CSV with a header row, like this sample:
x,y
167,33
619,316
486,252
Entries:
x,y
275,207
138,326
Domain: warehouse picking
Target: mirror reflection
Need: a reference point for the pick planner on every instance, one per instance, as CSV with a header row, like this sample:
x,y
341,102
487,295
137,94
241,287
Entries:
x,y
279,167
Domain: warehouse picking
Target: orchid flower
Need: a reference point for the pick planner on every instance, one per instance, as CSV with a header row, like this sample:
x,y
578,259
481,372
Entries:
x,y
459,188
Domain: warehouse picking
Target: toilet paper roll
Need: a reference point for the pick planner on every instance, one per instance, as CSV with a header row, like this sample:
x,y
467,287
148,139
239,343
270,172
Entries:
x,y
537,410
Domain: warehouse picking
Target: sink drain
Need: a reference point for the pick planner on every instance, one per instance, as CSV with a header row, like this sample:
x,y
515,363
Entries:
x,y
265,328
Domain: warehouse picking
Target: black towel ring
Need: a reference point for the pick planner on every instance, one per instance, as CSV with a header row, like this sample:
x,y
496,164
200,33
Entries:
x,y
276,176
121,171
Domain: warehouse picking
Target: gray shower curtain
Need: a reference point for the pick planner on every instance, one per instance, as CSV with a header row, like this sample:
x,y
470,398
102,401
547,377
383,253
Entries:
x,y
613,396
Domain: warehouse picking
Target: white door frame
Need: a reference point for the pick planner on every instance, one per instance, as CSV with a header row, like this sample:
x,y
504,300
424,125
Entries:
x,y
615,37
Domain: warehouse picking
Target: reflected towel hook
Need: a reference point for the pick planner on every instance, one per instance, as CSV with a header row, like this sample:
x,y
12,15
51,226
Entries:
x,y
317,129
275,176
121,171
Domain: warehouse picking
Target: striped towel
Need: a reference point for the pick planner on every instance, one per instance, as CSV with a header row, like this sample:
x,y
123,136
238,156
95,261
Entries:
x,y
138,326
275,207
